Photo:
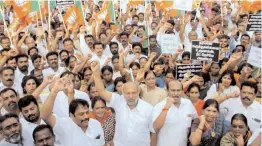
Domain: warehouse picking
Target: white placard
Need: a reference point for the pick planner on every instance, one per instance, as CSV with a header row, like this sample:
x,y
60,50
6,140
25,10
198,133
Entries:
x,y
168,43
254,57
183,5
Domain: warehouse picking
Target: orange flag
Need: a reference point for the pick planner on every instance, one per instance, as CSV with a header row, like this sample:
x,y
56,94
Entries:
x,y
73,16
102,14
31,17
43,7
134,3
21,7
251,6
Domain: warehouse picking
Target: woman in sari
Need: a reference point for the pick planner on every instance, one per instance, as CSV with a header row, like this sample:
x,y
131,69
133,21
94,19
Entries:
x,y
239,133
105,116
209,128
193,93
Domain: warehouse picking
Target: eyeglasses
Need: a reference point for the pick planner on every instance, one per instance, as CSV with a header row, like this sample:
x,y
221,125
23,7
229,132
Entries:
x,y
238,126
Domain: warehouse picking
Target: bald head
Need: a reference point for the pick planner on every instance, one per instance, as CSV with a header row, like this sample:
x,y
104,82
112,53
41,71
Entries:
x,y
175,83
130,92
130,85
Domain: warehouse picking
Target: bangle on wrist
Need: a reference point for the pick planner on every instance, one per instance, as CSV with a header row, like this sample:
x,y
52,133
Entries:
x,y
200,128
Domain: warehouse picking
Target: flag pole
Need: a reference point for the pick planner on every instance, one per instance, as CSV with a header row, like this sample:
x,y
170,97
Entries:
x,y
42,22
2,13
49,18
120,14
62,17
148,47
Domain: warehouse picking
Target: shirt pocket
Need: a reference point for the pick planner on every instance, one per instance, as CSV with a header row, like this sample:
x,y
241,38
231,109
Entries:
x,y
187,120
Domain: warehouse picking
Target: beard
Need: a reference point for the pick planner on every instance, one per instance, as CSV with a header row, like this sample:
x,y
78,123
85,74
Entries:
x,y
15,138
114,52
132,103
32,118
23,68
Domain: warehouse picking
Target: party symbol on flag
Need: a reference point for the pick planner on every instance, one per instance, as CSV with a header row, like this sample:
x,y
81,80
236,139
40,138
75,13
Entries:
x,y
72,18
102,16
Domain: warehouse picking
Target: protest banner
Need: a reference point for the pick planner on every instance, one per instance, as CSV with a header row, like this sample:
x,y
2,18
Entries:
x,y
183,5
205,51
168,43
254,23
64,3
191,69
254,57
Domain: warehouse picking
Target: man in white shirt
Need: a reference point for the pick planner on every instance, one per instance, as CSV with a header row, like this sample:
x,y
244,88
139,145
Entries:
x,y
246,105
31,113
11,129
7,75
98,50
124,45
137,48
69,46
172,117
54,68
61,102
22,70
132,114
85,41
9,99
43,135
77,129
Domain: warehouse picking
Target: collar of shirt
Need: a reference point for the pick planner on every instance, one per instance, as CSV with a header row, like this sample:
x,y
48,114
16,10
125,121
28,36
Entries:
x,y
252,106
19,73
139,106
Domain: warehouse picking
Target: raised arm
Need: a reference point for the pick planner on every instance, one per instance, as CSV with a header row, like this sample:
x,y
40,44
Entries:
x,y
106,95
160,120
195,137
79,67
48,106
122,70
47,80
182,30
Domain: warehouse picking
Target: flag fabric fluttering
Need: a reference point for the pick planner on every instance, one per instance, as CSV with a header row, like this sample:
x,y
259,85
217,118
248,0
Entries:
x,y
21,7
250,5
107,12
73,16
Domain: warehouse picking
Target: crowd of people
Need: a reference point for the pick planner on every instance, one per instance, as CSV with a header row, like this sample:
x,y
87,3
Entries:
x,y
110,84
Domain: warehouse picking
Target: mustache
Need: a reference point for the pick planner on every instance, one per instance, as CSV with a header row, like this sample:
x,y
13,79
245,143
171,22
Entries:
x,y
246,98
9,80
86,119
11,103
32,115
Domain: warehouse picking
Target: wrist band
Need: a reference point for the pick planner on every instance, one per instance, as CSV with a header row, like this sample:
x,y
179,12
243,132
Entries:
x,y
165,109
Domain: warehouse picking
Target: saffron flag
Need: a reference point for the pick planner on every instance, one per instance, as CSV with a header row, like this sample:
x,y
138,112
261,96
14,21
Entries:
x,y
107,12
21,7
134,3
111,15
73,16
251,6
44,7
